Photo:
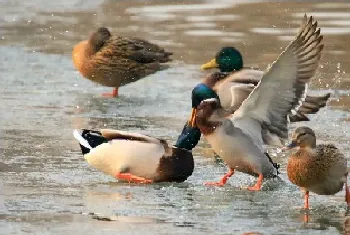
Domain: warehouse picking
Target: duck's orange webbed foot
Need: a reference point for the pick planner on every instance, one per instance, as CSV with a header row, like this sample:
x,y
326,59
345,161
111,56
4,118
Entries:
x,y
133,178
223,181
257,186
113,94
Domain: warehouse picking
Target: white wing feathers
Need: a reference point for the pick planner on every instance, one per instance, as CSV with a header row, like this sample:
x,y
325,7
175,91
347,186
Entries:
x,y
284,82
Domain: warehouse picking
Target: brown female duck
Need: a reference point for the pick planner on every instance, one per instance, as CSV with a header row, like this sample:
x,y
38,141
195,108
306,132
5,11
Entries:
x,y
321,169
114,61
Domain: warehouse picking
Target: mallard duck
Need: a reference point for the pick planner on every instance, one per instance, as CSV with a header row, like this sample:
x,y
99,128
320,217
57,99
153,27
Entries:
x,y
234,83
239,140
321,169
114,61
233,87
138,158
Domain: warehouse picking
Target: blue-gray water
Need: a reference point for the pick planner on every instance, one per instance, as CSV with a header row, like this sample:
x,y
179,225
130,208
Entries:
x,y
46,187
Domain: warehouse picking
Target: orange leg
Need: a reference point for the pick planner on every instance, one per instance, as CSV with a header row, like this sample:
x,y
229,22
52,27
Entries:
x,y
347,192
222,182
306,200
257,186
113,94
133,178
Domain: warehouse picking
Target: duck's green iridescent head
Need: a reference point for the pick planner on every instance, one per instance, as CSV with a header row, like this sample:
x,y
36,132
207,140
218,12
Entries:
x,y
228,59
202,92
199,93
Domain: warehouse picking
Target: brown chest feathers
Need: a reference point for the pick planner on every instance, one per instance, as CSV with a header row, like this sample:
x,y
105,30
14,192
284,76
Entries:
x,y
204,113
177,167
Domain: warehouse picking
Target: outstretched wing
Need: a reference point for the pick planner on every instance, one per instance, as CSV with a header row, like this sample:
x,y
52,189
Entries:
x,y
284,82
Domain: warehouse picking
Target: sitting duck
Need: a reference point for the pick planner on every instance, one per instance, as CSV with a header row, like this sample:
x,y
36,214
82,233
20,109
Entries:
x,y
240,139
321,169
138,158
114,61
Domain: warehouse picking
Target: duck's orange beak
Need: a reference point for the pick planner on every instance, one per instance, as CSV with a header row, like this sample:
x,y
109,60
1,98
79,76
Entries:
x,y
192,121
210,65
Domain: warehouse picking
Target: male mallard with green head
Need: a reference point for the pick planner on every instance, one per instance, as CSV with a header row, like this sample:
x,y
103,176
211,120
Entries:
x,y
114,61
321,169
139,158
233,84
240,140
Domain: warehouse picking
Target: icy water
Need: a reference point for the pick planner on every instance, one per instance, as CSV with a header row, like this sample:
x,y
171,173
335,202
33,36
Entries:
x,y
46,187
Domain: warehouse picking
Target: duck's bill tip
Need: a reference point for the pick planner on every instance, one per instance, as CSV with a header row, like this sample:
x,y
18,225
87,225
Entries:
x,y
210,65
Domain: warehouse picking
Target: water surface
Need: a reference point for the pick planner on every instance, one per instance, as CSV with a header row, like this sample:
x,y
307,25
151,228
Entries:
x,y
47,188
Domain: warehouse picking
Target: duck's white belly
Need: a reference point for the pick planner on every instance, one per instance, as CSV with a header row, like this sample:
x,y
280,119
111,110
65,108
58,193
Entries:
x,y
138,158
237,151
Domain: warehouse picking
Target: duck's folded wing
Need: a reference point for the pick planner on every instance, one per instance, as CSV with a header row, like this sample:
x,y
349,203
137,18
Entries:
x,y
284,83
236,87
145,52
111,134
245,76
232,94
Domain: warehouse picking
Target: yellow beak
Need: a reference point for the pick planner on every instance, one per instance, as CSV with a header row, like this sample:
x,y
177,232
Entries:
x,y
192,121
210,65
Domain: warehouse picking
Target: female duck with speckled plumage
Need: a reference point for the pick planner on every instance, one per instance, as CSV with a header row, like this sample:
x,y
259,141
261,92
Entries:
x,y
321,169
114,61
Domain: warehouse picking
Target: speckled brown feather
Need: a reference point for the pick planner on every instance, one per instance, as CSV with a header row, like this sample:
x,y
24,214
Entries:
x,y
323,171
119,61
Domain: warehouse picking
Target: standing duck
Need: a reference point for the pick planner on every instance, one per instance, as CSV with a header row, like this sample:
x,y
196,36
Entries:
x,y
138,158
321,169
114,61
239,140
